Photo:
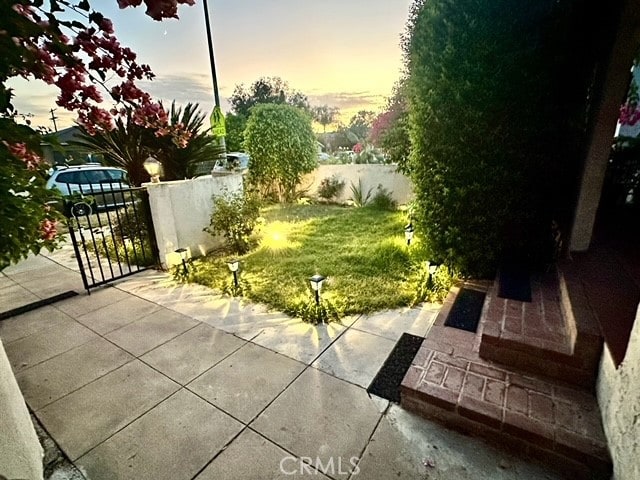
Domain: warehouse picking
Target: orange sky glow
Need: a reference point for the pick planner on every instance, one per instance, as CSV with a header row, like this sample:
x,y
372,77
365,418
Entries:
x,y
342,53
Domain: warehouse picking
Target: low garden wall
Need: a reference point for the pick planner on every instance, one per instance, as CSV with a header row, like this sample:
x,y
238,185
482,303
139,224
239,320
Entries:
x,y
182,209
370,175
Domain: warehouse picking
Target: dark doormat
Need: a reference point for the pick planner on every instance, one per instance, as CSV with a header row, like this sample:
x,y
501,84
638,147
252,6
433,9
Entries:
x,y
515,283
35,305
466,310
395,367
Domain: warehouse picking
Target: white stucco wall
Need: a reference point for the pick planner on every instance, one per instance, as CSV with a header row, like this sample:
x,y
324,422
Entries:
x,y
182,209
371,176
619,398
20,450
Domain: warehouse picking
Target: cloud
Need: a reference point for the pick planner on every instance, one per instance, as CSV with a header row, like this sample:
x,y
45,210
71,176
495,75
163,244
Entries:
x,y
195,88
348,100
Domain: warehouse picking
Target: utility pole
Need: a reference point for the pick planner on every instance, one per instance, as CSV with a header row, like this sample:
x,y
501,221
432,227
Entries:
x,y
53,119
217,118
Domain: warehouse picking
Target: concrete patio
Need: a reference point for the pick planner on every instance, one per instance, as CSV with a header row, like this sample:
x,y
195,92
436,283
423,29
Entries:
x,y
148,379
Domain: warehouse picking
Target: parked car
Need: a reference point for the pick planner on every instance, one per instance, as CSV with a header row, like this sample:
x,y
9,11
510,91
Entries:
x,y
236,162
103,185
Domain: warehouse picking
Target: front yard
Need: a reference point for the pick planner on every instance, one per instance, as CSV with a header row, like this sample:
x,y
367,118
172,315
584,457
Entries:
x,y
361,251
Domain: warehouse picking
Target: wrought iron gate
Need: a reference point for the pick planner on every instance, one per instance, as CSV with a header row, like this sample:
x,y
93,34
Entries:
x,y
111,230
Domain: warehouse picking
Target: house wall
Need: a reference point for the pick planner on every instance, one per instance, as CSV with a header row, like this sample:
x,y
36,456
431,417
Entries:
x,y
20,450
371,176
619,398
182,209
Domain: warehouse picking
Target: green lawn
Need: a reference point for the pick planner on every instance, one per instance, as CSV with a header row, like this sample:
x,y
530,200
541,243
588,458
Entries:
x,y
362,252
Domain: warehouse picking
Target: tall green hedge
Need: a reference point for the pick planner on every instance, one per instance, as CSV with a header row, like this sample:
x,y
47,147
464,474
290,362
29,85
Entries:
x,y
487,126
280,140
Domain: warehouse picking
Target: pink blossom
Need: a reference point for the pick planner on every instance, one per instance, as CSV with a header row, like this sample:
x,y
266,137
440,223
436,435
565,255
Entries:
x,y
357,148
48,229
20,151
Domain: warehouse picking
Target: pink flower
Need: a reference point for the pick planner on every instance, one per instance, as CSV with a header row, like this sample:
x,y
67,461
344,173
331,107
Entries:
x,y
48,229
20,151
357,148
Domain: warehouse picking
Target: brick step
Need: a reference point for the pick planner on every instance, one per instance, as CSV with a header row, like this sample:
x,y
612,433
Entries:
x,y
542,337
534,416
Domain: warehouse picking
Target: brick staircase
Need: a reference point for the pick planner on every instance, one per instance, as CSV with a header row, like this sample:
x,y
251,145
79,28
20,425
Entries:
x,y
524,379
556,335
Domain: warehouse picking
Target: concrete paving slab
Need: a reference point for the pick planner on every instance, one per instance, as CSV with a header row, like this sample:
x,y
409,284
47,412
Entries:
x,y
267,460
244,383
297,339
47,343
44,273
55,285
173,441
20,326
15,296
151,331
393,323
403,443
195,351
60,375
85,418
85,303
32,262
320,417
116,315
355,357
5,281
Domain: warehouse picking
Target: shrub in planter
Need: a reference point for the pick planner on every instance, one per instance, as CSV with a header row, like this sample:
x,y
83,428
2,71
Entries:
x,y
330,187
235,216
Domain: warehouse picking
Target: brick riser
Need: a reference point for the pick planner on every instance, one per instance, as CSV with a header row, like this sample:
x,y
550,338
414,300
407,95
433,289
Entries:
x,y
575,460
547,336
538,416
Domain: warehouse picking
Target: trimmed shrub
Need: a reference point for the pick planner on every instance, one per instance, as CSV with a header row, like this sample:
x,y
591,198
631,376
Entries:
x,y
282,147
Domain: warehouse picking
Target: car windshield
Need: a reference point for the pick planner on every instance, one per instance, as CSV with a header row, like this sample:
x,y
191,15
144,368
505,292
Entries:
x,y
89,177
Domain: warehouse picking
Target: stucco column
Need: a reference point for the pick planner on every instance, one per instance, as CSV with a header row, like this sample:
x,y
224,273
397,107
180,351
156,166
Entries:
x,y
20,450
614,90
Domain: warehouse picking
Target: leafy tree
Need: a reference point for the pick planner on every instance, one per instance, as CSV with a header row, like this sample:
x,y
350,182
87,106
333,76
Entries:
x,y
282,146
325,115
493,111
390,129
266,90
69,45
360,124
235,124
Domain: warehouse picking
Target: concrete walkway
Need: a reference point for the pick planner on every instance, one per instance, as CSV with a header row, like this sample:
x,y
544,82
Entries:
x,y
152,380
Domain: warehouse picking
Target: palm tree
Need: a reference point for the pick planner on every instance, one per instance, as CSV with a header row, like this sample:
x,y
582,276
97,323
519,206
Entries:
x,y
128,145
325,115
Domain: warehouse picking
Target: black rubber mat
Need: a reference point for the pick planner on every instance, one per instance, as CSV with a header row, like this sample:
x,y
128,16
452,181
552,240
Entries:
x,y
514,284
387,382
466,310
35,305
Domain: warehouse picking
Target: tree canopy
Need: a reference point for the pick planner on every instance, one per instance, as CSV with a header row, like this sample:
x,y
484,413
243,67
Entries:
x,y
266,90
282,146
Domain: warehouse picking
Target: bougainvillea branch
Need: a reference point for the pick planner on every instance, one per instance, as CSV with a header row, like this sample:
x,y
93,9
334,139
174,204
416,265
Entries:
x,y
68,45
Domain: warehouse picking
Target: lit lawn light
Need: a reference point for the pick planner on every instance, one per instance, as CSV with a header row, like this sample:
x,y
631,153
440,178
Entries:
x,y
153,166
183,252
408,233
234,265
316,285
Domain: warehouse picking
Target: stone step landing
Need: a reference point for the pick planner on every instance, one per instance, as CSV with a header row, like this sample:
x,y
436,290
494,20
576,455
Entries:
x,y
539,417
555,335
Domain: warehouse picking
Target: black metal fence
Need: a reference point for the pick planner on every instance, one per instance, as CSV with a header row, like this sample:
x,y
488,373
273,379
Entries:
x,y
112,231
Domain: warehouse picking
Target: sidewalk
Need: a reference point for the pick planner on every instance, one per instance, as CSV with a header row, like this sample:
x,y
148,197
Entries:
x,y
149,380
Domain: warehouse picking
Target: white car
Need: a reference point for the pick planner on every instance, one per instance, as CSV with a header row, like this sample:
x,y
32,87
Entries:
x,y
236,162
102,184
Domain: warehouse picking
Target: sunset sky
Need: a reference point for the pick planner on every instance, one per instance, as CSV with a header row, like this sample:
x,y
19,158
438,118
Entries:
x,y
343,53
